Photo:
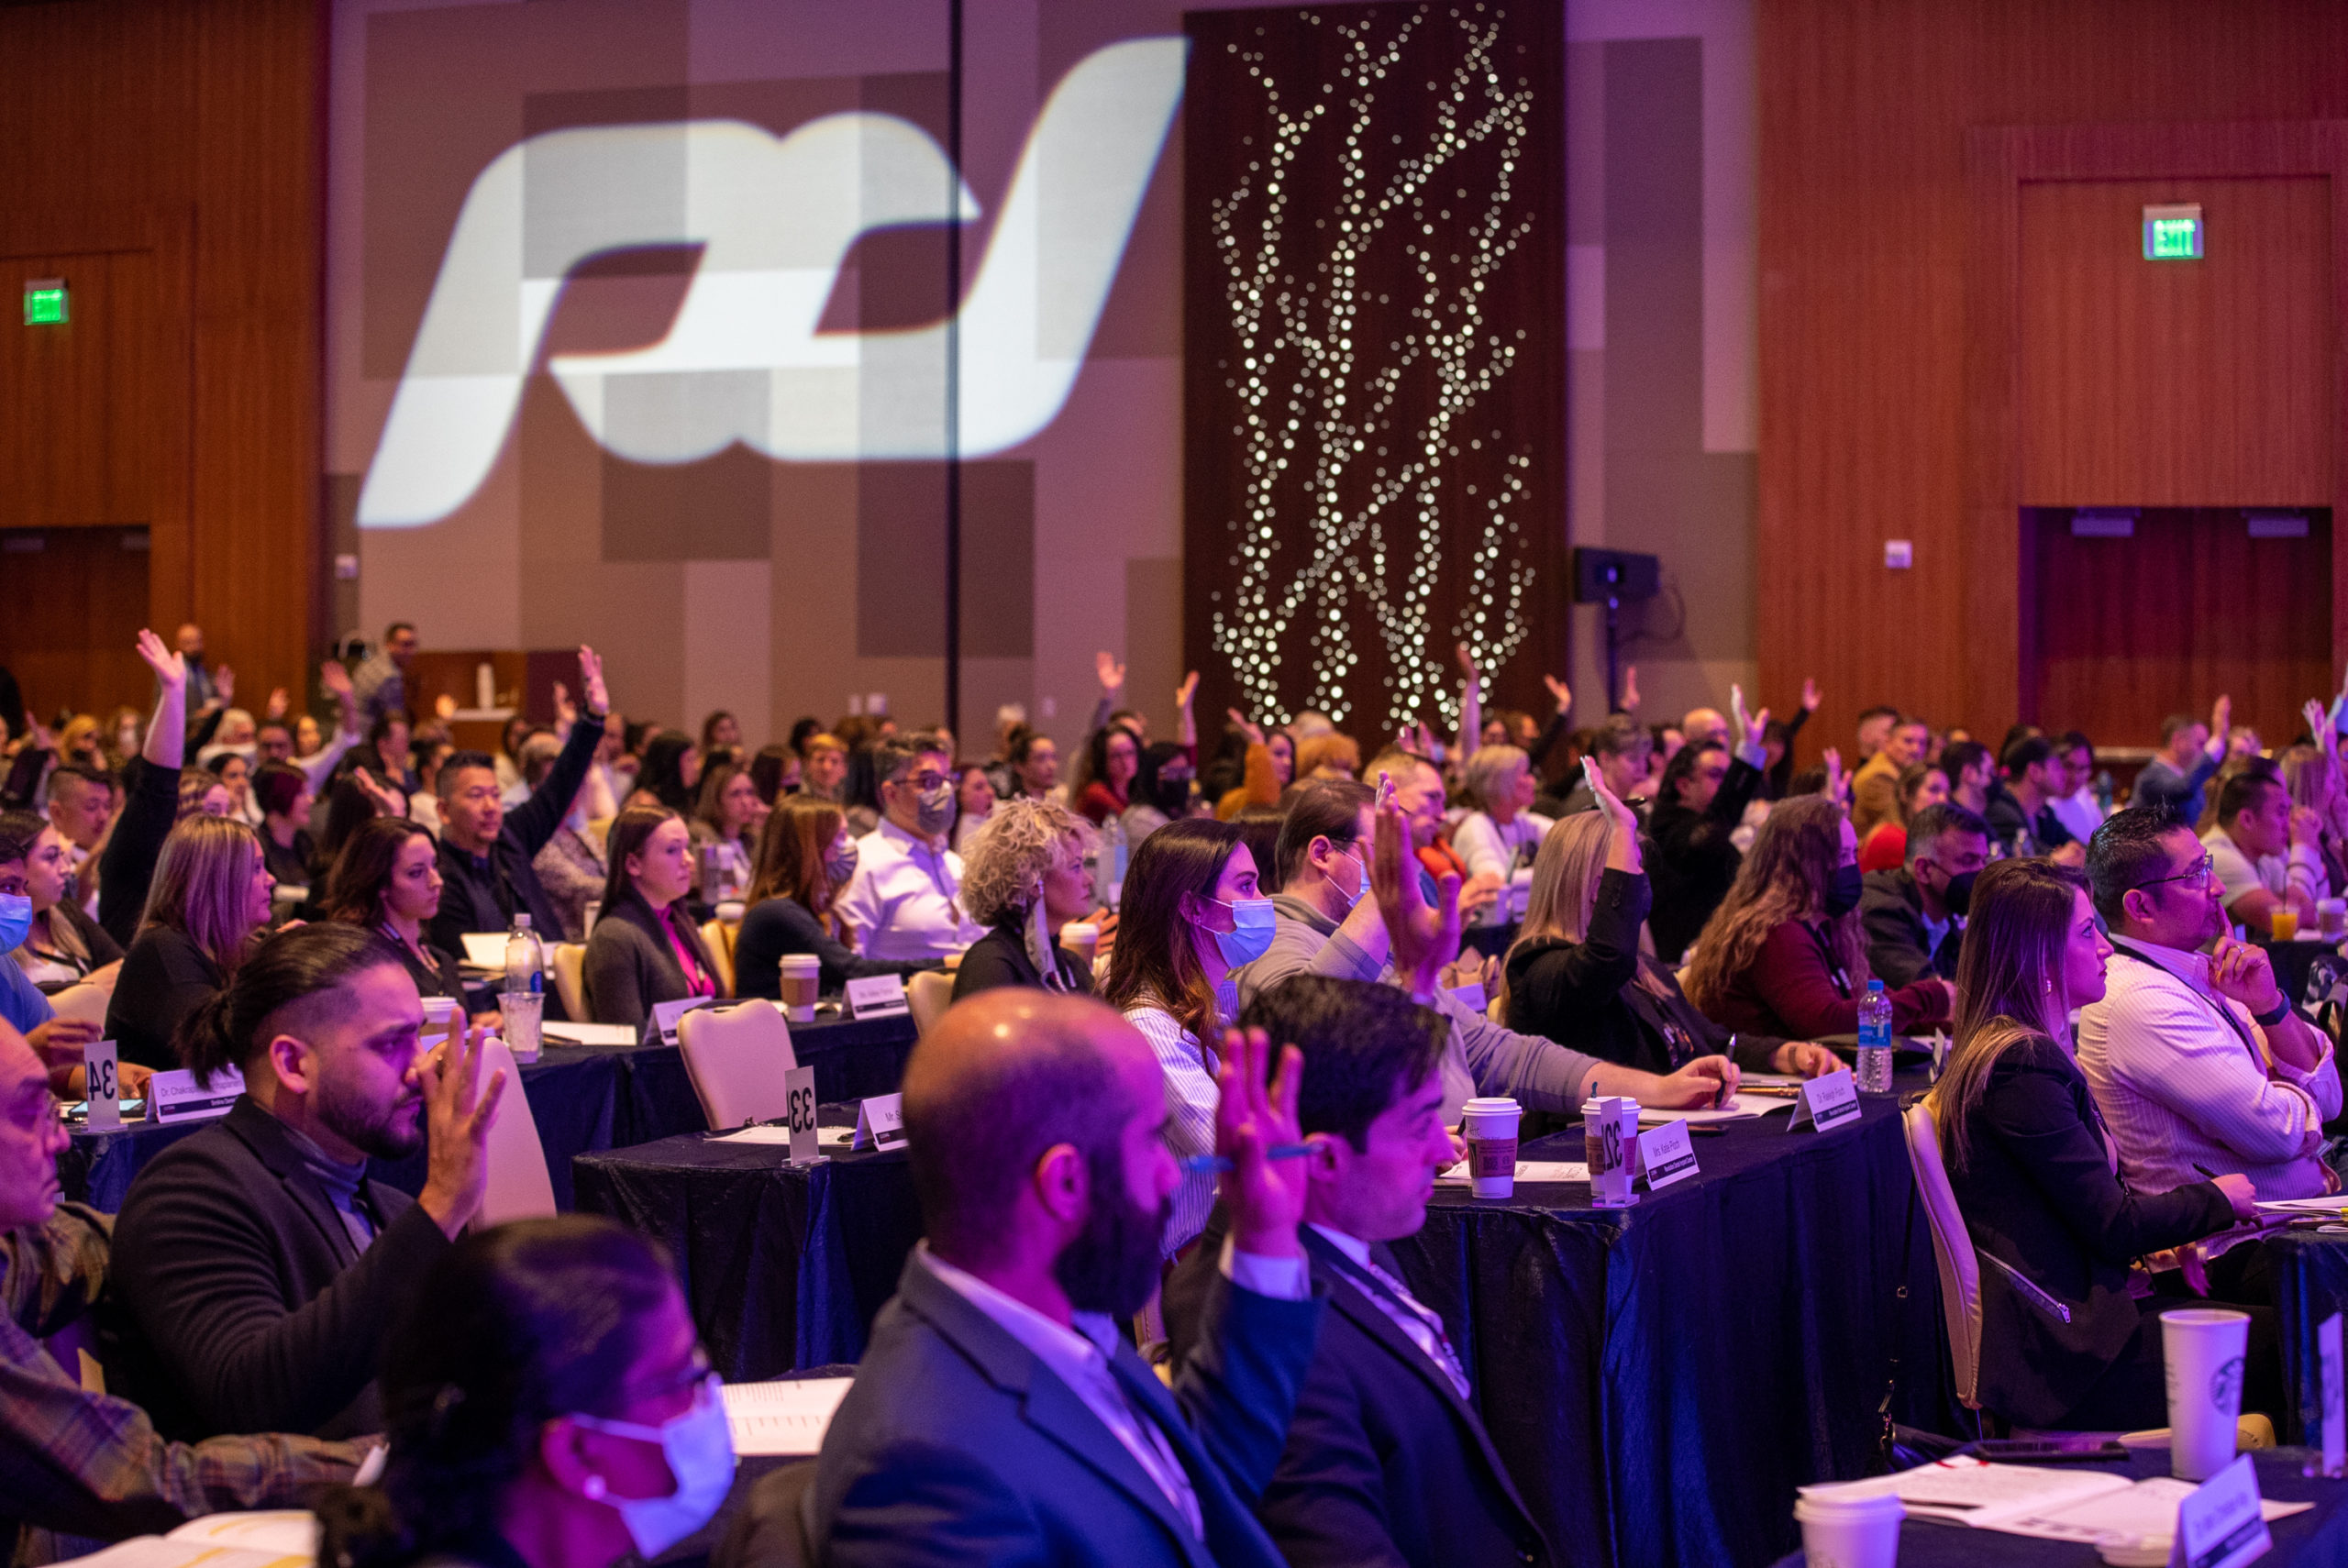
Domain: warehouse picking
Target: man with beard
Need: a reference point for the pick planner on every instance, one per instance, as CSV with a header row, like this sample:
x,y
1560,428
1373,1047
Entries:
x,y
999,1414
259,1265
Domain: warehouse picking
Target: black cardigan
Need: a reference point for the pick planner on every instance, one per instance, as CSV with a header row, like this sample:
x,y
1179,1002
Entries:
x,y
2038,1194
1586,996
1000,959
779,925
1694,860
164,977
631,964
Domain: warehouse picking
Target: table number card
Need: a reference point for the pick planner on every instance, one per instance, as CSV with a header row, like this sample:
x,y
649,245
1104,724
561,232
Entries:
x,y
2219,1524
662,1027
101,1066
1826,1102
799,1097
881,1123
174,1096
1666,1155
882,996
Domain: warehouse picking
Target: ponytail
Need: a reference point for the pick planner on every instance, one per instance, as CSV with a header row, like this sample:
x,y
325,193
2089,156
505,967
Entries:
x,y
230,1026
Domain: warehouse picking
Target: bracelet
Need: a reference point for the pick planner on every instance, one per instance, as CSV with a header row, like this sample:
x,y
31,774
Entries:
x,y
2269,1020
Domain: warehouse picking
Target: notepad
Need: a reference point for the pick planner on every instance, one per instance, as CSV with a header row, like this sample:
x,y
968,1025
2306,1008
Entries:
x,y
567,1033
1526,1170
1740,1108
787,1417
2043,1501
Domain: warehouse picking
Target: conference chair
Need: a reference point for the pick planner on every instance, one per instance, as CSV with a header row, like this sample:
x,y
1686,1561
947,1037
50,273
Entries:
x,y
518,1187
86,1000
737,1057
929,994
570,979
717,935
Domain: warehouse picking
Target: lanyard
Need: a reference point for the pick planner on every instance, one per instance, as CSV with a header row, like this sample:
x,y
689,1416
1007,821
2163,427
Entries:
x,y
1835,970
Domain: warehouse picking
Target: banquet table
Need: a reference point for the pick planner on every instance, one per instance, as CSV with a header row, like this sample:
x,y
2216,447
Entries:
x,y
583,1097
1658,1378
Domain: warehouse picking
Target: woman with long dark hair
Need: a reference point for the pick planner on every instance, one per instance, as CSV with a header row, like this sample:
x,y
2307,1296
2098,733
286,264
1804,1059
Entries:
x,y
805,858
387,881
2033,1173
670,774
727,816
283,794
547,1406
645,948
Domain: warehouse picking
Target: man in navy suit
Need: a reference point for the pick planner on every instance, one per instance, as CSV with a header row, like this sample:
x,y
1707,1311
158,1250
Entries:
x,y
999,1416
1387,1463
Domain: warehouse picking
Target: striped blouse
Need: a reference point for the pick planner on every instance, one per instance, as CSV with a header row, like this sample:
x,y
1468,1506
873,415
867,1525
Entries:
x,y
1190,1100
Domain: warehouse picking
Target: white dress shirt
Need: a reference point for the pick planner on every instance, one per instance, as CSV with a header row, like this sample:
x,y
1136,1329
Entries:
x,y
2184,1078
904,901
2239,873
1421,1324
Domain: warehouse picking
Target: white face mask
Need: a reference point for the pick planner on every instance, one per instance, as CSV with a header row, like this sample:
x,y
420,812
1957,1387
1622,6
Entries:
x,y
699,1448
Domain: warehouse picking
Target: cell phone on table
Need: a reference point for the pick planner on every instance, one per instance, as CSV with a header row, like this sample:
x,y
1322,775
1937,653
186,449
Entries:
x,y
2041,1451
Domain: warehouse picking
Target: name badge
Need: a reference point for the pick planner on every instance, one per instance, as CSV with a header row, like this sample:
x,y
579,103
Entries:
x,y
1666,1155
882,996
101,1067
2333,1401
1826,1102
799,1097
879,1123
2218,1523
174,1096
663,1022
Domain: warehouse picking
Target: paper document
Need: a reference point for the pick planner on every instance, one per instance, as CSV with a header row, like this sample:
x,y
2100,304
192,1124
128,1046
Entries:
x,y
1740,1108
2146,1509
485,949
291,1531
1967,1491
568,1034
837,1137
783,1418
162,1552
1526,1170
2335,1204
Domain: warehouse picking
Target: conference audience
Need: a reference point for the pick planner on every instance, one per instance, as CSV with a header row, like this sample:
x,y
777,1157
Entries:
x,y
547,1403
149,803
1875,786
1914,914
1328,757
387,881
1922,784
81,805
1163,792
670,774
2026,1156
2265,853
283,795
60,945
572,867
1621,747
645,949
2078,809
728,814
826,767
2313,777
905,901
378,687
1114,758
2021,817
2190,752
1699,803
1498,838
1035,762
806,858
999,1414
1575,975
1783,953
1971,769
775,772
203,795
23,1007
258,1261
1385,1459
1267,767
210,903
974,802
1025,880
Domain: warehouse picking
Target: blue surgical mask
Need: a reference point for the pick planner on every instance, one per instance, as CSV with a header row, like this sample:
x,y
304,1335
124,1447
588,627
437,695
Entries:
x,y
698,1448
1252,923
15,921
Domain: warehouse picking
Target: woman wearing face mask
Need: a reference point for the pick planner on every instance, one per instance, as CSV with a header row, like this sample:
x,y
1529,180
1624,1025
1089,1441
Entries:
x,y
283,794
805,858
646,948
387,881
548,1405
1023,880
206,908
1784,954
1163,791
1192,914
2029,1164
60,946
725,826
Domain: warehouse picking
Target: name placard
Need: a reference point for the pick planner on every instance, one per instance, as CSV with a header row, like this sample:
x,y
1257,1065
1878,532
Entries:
x,y
882,996
101,1070
1826,1102
1667,1154
662,1026
879,1123
798,1095
2219,1523
174,1096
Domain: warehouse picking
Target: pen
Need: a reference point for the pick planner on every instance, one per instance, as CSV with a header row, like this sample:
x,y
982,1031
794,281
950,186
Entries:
x,y
1719,1096
2205,1170
1695,1130
1197,1163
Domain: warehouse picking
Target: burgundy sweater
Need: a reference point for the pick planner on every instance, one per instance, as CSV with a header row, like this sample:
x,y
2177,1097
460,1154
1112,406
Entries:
x,y
1790,990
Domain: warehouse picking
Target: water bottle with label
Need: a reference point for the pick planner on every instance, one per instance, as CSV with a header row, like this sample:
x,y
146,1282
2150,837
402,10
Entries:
x,y
1874,1041
1109,864
524,1001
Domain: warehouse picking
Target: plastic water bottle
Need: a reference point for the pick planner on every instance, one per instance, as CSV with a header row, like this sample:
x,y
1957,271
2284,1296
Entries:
x,y
1109,864
523,1003
1874,1041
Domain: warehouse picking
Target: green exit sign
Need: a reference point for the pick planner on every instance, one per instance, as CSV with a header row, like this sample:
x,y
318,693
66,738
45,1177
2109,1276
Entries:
x,y
44,302
2173,233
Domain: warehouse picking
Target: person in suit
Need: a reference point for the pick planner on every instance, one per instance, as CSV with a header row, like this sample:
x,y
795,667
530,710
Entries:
x,y
2034,1173
999,1414
1387,1463
258,1264
1023,879
645,949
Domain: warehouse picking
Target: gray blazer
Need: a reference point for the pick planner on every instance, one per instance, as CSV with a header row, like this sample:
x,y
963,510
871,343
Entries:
x,y
631,964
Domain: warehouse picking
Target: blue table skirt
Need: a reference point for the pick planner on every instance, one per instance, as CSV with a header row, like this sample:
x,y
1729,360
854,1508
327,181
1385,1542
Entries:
x,y
583,1097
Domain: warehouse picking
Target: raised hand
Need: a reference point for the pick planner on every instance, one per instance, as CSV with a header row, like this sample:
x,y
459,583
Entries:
x,y
1424,940
224,685
445,706
1188,690
1622,823
275,709
1834,780
1254,731
1467,657
1561,690
169,665
1255,1113
591,682
335,678
1810,696
1630,689
2221,719
457,1110
1112,673
389,802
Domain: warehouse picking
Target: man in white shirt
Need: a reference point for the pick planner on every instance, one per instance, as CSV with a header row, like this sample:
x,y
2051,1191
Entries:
x,y
2198,1061
999,1414
904,901
2264,854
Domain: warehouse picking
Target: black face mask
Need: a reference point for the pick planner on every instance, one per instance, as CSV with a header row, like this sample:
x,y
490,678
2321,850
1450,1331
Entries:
x,y
1843,891
1958,894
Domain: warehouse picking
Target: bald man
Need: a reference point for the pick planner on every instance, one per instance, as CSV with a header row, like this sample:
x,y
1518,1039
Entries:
x,y
203,695
1702,724
999,1416
72,1461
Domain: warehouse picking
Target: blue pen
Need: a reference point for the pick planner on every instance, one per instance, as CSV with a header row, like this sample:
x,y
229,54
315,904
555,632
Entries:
x,y
1197,1163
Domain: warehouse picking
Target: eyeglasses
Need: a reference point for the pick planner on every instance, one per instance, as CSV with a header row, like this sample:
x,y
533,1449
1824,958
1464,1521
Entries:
x,y
2195,880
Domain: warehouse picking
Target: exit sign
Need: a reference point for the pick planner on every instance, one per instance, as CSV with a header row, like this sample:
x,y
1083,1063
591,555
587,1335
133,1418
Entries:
x,y
44,302
2173,233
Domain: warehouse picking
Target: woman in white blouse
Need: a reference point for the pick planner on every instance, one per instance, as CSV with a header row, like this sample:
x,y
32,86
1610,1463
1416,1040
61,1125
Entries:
x,y
1502,834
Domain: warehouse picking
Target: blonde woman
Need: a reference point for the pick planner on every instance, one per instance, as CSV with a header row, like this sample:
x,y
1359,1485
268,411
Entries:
x,y
1576,974
1024,878
207,905
2313,780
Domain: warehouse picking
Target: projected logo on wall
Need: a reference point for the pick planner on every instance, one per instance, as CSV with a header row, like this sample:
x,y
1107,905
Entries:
x,y
775,218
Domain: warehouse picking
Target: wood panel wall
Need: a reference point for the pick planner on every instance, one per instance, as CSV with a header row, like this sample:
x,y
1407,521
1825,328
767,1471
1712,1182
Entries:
x,y
177,150
1863,240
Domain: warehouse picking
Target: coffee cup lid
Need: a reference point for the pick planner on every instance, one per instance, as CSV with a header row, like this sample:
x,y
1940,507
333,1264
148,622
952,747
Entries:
x,y
802,961
439,1008
1493,1103
1080,928
1822,1504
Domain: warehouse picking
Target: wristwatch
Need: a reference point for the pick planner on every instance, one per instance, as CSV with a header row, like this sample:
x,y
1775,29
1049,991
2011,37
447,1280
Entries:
x,y
2269,1020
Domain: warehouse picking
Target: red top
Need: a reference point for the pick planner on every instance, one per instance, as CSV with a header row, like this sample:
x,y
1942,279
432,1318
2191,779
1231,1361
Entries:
x,y
1791,991
1099,802
1885,848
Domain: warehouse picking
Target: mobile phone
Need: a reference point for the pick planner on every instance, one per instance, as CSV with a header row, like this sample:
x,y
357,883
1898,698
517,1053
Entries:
x,y
2038,1451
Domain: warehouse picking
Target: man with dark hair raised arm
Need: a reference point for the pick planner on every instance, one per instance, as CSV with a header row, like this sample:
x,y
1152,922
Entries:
x,y
2189,755
1914,913
380,686
999,1414
1387,1461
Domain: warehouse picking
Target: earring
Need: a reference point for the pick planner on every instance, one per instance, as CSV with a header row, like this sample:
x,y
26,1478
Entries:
x,y
2049,988
594,1486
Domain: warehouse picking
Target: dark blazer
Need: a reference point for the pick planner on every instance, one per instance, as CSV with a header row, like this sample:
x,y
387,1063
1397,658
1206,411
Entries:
x,y
164,977
956,1446
1385,1464
248,1309
631,964
1891,912
1694,862
2038,1194
1000,959
484,895
150,804
1587,995
778,926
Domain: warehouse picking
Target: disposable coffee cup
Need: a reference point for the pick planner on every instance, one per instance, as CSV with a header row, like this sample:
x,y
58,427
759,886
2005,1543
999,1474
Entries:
x,y
437,1012
1490,1124
1610,1131
1082,938
732,910
803,977
1849,1533
2202,1351
2332,917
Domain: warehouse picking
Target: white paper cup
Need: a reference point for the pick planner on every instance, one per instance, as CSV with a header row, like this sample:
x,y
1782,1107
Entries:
x,y
2332,917
802,978
2202,1351
1489,1123
1849,1533
1082,938
437,1012
1610,1128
